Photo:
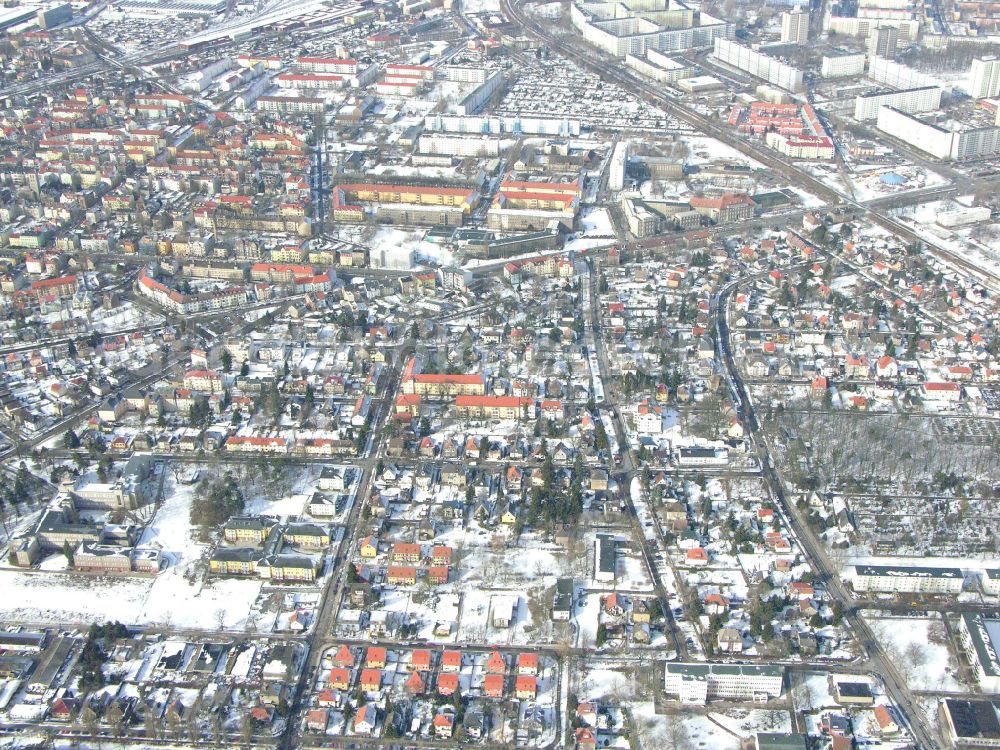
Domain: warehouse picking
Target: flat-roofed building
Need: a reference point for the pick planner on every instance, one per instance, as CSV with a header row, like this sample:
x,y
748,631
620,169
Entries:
x,y
495,407
605,558
910,101
980,637
842,64
780,741
970,723
692,682
991,578
904,580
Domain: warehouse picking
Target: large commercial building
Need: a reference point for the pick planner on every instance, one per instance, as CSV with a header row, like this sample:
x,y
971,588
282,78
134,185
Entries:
x,y
911,101
980,638
728,208
795,26
605,558
892,579
759,65
698,682
985,78
633,28
842,63
958,144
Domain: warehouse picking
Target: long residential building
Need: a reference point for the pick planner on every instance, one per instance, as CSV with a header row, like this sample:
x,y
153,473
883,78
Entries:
x,y
659,67
894,579
908,28
533,204
759,65
495,407
970,723
924,99
650,24
694,682
189,303
941,142
815,147
338,66
293,104
898,76
449,145
842,63
420,195
980,637
430,384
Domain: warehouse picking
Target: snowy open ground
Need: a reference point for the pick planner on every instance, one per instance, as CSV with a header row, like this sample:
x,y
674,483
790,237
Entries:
x,y
180,596
920,648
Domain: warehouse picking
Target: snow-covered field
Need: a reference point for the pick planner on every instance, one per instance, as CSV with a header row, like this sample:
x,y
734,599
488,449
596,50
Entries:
x,y
64,599
919,647
597,230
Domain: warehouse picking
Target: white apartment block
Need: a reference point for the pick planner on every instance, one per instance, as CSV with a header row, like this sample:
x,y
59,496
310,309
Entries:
x,y
444,145
795,26
291,104
985,78
344,67
759,65
883,41
619,30
911,101
841,64
991,582
942,143
659,67
891,579
616,170
898,76
909,29
464,73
